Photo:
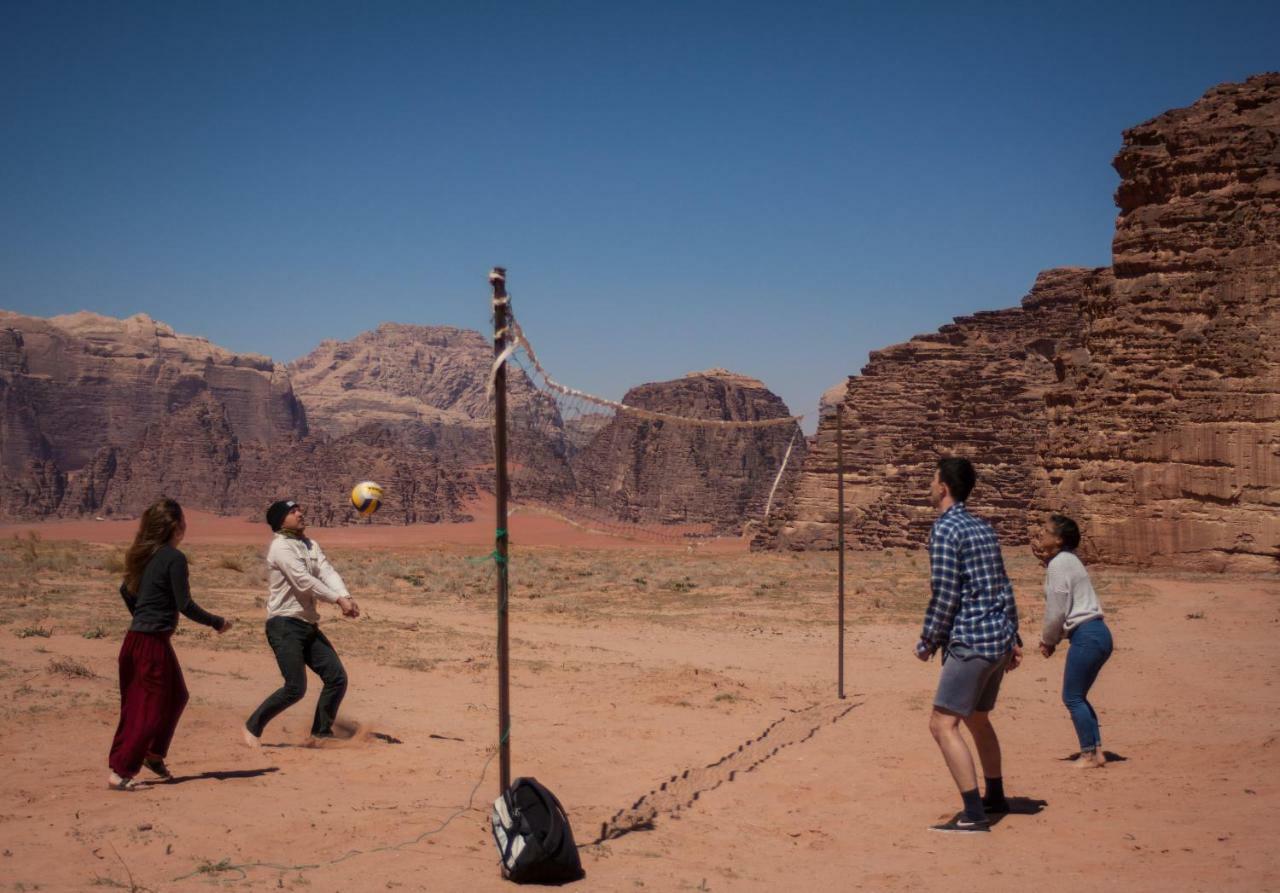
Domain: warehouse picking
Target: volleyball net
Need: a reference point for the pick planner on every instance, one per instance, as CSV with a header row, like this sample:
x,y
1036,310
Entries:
x,y
696,458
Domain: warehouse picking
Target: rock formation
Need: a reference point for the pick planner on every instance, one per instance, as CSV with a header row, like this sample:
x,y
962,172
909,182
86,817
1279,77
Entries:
x,y
76,389
100,416
976,387
429,384
70,384
1165,430
396,374
649,471
1143,399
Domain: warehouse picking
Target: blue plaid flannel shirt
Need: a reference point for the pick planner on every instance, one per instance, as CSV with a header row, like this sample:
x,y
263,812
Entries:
x,y
972,601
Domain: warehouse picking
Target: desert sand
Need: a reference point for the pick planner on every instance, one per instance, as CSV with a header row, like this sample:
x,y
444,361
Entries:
x,y
681,702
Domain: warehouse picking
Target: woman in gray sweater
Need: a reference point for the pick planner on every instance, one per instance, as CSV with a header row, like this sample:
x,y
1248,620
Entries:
x,y
1072,610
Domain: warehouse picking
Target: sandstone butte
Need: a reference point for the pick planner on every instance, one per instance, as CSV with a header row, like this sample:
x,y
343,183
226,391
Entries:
x,y
648,471
1143,398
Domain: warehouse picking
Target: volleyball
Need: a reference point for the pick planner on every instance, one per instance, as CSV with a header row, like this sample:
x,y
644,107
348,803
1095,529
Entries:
x,y
366,496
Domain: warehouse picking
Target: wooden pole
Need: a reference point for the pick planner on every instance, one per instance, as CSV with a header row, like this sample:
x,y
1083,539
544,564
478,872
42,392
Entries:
x,y
840,535
498,279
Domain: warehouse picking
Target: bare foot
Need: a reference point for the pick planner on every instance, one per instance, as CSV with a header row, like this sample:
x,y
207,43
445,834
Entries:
x,y
120,783
251,740
1091,760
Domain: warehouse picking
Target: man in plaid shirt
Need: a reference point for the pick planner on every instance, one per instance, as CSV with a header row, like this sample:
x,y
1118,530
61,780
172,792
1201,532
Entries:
x,y
973,619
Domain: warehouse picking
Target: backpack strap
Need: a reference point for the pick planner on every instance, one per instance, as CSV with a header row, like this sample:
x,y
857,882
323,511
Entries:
x,y
559,820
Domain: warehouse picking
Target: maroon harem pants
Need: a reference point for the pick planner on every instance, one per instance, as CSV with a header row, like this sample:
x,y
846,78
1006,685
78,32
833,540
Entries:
x,y
153,695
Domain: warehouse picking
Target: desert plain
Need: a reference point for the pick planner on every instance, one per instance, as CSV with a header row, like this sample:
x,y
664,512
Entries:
x,y
681,701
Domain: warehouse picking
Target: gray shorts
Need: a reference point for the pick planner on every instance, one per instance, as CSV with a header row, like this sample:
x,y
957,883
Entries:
x,y
969,682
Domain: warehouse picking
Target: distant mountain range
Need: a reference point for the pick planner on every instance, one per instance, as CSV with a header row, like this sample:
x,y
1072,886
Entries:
x,y
98,416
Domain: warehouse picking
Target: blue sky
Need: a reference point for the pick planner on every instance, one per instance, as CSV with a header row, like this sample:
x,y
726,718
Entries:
x,y
776,188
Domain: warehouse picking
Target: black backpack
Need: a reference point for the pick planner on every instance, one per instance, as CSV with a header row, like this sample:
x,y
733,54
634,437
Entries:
x,y
533,835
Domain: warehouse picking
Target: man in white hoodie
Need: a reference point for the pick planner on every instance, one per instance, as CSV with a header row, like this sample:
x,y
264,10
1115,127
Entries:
x,y
299,574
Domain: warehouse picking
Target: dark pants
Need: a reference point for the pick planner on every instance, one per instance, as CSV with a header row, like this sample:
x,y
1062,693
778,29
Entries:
x,y
1090,648
153,695
298,645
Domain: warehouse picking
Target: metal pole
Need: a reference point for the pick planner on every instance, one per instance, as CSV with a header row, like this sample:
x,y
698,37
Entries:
x,y
498,279
840,533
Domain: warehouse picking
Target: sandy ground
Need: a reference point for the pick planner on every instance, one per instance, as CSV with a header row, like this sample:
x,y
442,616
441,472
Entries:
x,y
529,526
631,668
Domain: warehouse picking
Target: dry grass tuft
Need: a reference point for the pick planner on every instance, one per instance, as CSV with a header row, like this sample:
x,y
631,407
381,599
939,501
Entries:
x,y
69,666
27,632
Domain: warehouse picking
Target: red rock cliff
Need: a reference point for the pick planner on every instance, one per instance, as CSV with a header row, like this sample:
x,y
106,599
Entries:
x,y
101,416
1165,432
975,387
1143,399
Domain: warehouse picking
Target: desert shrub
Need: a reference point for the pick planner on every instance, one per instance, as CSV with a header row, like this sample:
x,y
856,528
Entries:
x,y
69,666
26,632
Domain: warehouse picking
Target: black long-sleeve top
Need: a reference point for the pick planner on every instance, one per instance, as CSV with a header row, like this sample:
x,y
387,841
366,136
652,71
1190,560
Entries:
x,y
162,593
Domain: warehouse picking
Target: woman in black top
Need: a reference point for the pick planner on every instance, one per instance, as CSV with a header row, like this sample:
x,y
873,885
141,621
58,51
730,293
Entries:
x,y
153,693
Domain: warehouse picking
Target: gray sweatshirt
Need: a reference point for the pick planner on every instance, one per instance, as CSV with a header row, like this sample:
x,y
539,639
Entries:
x,y
297,574
1069,599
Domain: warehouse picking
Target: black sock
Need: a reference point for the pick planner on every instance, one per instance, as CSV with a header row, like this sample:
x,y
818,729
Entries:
x,y
973,806
995,791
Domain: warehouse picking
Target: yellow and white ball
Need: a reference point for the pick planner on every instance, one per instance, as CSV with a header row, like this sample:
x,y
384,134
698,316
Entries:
x,y
366,496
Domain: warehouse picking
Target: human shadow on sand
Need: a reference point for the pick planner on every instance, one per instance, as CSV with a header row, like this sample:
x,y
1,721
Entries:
x,y
681,791
1111,755
1018,806
224,775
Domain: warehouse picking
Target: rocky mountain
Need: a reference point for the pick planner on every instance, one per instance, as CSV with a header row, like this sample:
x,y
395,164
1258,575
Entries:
x,y
1143,398
74,389
72,383
429,384
651,471
398,374
100,416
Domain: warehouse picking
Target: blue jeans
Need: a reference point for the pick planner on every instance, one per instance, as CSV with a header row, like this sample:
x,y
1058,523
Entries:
x,y
1090,648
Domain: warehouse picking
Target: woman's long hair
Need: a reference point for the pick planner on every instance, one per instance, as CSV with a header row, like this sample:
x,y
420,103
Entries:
x,y
159,523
